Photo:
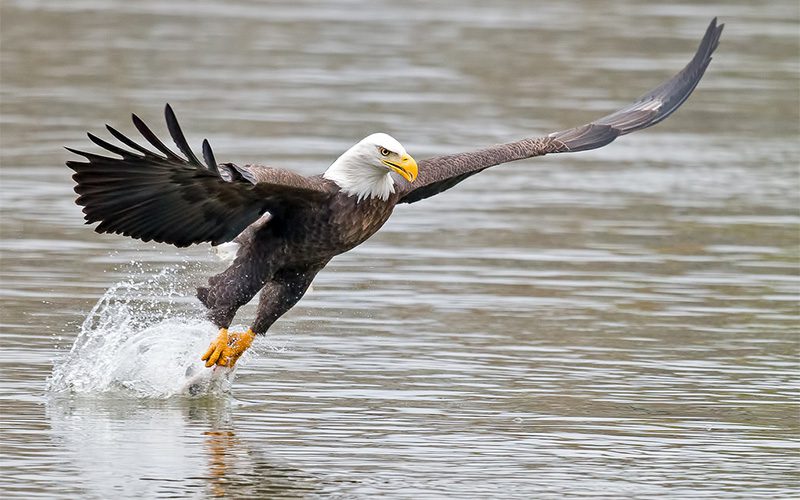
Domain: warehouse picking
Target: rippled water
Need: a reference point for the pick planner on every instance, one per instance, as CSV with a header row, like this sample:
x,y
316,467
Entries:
x,y
615,323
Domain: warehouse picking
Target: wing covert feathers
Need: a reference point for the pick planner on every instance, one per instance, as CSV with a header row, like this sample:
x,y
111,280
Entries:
x,y
443,172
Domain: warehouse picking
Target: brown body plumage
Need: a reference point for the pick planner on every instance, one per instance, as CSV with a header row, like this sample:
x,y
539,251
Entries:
x,y
161,196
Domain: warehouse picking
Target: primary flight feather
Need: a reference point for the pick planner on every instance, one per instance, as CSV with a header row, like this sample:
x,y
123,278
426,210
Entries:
x,y
289,226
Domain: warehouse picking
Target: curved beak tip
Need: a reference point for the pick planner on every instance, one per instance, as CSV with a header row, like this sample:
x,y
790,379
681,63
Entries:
x,y
406,167
410,167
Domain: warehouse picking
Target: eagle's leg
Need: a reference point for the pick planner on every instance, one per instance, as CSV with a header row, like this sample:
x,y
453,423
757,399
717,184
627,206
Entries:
x,y
281,294
230,290
226,293
278,295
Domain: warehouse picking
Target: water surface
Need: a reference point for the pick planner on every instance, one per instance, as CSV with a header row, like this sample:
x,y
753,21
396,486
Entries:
x,y
621,322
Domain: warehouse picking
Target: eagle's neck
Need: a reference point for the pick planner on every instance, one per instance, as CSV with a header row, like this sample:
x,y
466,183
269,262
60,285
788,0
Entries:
x,y
355,175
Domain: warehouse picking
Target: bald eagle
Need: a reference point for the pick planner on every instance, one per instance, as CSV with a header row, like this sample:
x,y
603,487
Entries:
x,y
289,226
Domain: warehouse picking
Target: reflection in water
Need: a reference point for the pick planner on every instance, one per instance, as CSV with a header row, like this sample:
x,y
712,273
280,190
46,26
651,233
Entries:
x,y
181,447
218,444
239,471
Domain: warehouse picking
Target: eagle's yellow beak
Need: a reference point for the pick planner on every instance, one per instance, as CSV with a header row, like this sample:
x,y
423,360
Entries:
x,y
407,167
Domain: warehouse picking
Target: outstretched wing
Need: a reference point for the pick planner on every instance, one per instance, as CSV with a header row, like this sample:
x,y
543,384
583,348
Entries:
x,y
443,172
163,197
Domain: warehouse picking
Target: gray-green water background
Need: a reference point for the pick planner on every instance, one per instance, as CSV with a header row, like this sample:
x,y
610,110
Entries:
x,y
621,322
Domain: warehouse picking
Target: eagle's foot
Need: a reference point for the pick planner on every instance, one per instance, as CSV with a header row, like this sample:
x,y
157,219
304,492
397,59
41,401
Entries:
x,y
226,349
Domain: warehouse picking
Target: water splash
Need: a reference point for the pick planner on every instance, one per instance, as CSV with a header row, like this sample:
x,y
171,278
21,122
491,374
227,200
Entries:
x,y
144,339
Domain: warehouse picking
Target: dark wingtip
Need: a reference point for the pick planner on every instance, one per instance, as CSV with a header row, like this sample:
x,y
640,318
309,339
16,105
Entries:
x,y
712,37
208,156
76,151
177,135
153,139
76,165
128,142
138,122
95,139
169,115
111,147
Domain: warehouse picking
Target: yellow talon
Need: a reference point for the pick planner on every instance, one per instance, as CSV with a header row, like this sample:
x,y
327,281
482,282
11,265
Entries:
x,y
226,349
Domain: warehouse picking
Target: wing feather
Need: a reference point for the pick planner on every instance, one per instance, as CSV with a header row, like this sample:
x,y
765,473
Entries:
x,y
128,142
166,198
443,172
153,139
208,156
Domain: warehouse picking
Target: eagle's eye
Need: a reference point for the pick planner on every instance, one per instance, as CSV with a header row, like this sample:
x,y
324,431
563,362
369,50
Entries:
x,y
384,152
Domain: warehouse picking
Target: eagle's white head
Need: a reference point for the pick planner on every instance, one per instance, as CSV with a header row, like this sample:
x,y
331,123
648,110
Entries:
x,y
365,170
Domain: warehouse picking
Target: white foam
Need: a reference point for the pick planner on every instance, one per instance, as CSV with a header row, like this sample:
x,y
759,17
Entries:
x,y
226,252
138,341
